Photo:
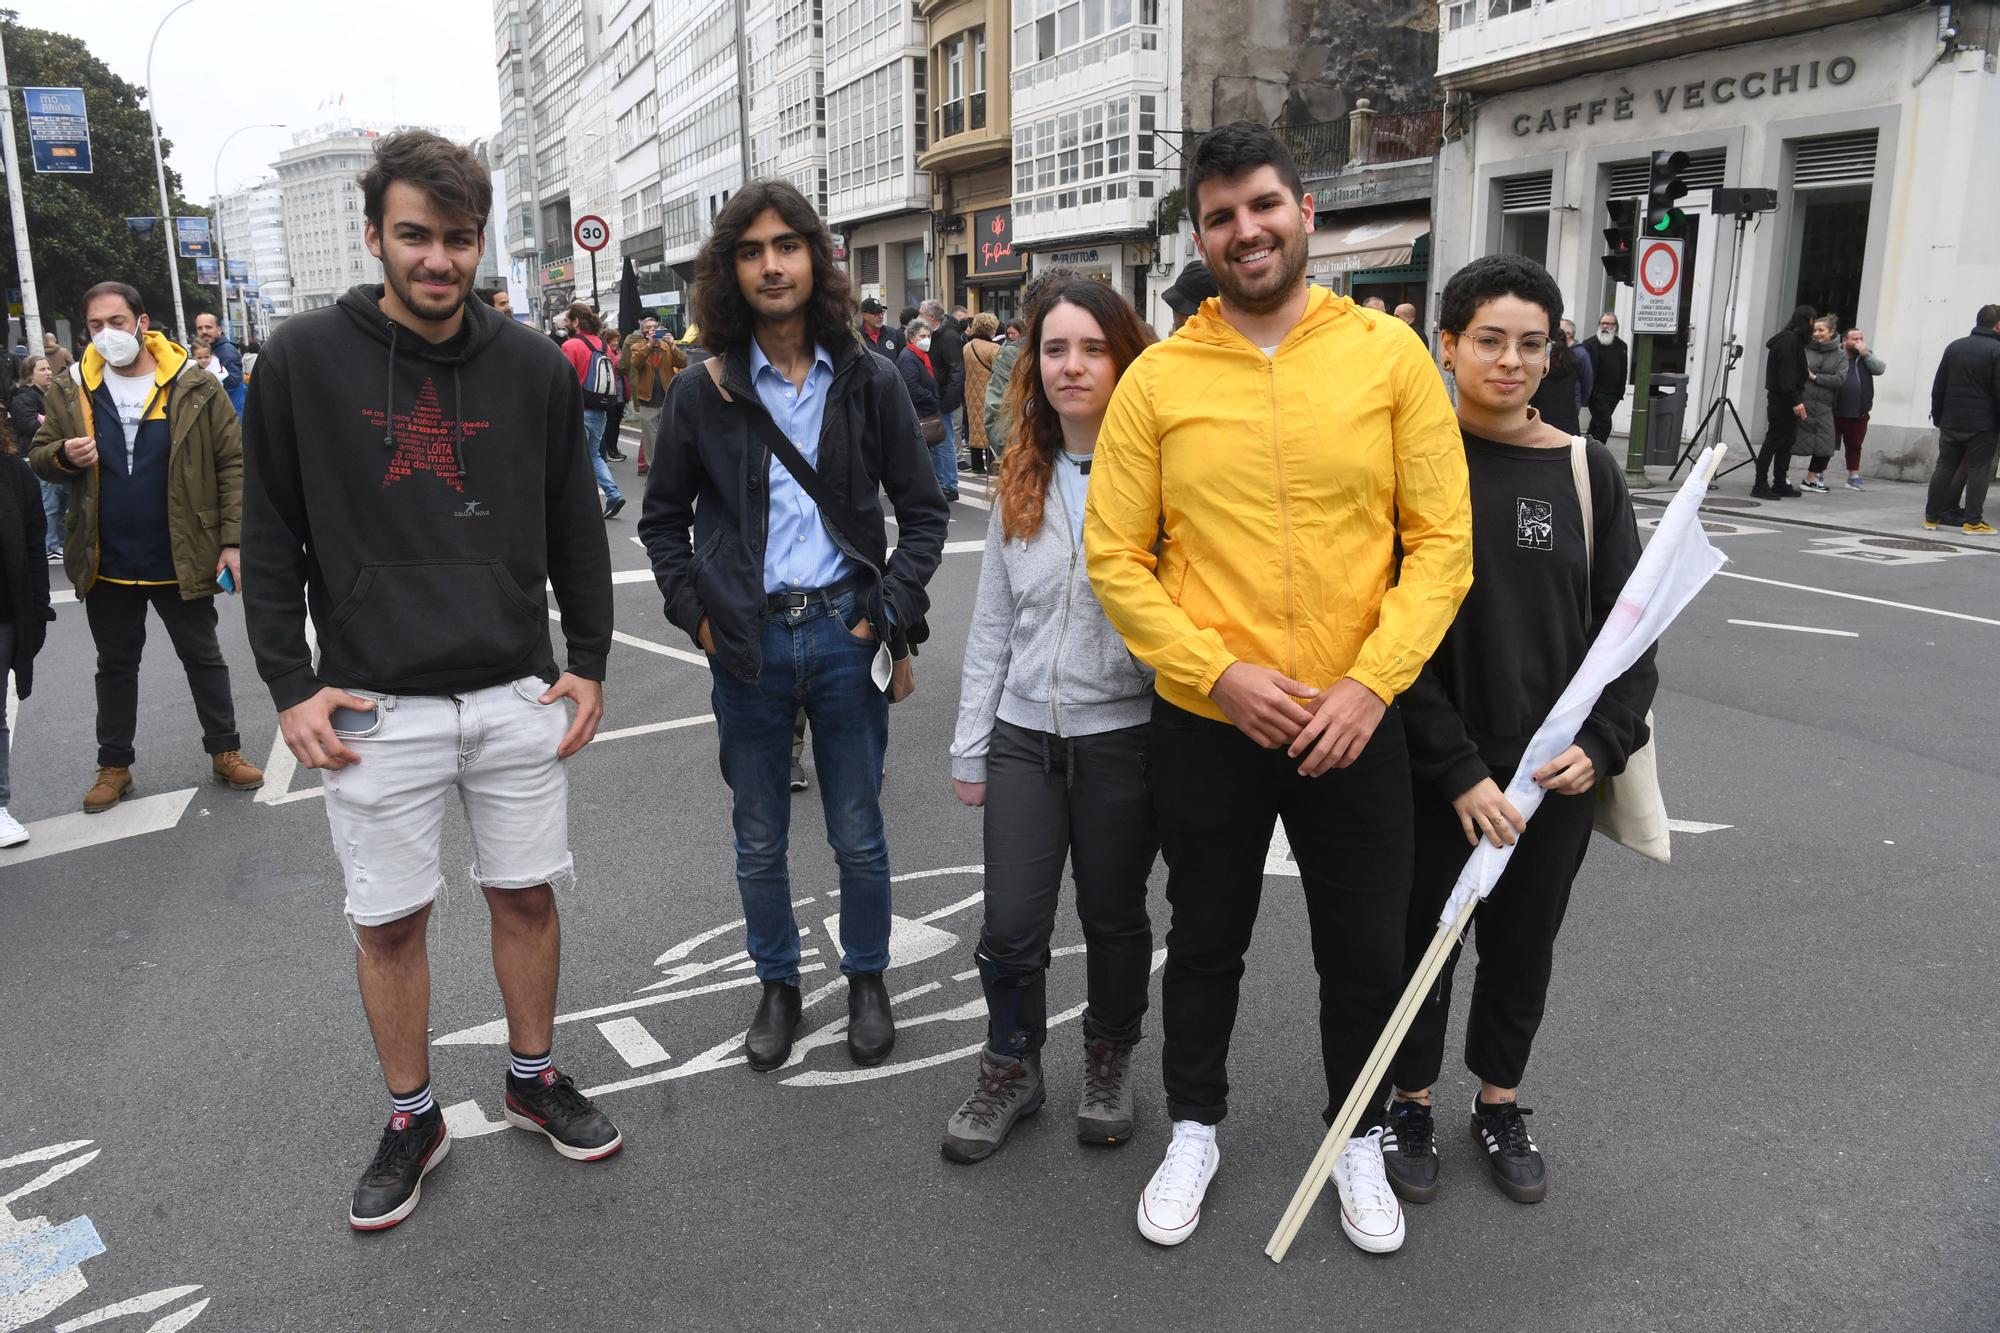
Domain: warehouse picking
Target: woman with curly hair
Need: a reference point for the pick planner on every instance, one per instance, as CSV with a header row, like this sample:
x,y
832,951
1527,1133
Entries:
x,y
1052,729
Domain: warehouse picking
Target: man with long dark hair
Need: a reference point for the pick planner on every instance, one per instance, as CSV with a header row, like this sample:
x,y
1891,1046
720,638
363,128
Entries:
x,y
771,463
1282,634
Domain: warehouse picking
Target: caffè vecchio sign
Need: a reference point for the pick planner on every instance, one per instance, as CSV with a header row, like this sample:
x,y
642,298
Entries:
x,y
1722,90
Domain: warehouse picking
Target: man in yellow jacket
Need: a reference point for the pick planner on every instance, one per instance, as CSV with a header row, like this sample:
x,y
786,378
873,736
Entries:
x,y
1254,480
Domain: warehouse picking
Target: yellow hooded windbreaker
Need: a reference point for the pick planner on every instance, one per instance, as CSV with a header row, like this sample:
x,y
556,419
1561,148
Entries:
x,y
1247,507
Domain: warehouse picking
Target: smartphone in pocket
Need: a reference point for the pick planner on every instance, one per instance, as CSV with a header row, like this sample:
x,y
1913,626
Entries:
x,y
355,723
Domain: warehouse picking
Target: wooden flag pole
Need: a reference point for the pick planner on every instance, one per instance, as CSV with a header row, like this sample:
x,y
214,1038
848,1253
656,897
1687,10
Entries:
x,y
1385,1050
1372,1073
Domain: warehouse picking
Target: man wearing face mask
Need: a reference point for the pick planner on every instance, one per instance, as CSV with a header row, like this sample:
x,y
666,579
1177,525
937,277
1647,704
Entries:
x,y
150,449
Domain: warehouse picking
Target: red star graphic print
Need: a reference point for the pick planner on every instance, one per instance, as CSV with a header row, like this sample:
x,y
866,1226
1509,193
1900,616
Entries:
x,y
423,440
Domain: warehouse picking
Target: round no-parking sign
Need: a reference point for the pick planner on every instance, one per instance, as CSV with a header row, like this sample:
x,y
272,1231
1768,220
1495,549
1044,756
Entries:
x,y
1658,291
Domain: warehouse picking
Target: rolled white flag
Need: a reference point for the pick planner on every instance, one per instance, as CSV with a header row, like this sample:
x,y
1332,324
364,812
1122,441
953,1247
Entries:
x,y
1675,566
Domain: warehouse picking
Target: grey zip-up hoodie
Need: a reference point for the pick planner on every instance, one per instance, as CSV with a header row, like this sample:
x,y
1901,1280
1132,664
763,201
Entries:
x,y
1041,654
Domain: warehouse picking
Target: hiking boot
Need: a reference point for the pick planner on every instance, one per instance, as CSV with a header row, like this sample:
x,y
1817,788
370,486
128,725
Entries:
x,y
12,834
1409,1152
1369,1211
1105,1116
411,1148
1007,1091
112,783
549,1104
239,773
1170,1209
1511,1154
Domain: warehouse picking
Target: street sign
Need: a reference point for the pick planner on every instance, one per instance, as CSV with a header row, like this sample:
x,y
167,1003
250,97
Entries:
x,y
992,240
1657,291
194,238
58,130
205,272
239,269
142,227
592,233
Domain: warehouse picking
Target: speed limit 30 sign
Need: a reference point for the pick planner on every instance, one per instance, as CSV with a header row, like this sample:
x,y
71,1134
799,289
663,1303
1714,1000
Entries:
x,y
592,233
1657,307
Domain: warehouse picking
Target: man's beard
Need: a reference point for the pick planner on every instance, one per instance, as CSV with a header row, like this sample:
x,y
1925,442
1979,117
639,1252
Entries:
x,y
1283,283
1607,337
424,307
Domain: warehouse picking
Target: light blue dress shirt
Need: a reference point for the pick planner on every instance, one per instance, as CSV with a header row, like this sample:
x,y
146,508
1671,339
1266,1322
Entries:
x,y
799,551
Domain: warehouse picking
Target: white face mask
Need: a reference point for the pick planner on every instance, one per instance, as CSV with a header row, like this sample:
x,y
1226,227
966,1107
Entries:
x,y
922,344
119,348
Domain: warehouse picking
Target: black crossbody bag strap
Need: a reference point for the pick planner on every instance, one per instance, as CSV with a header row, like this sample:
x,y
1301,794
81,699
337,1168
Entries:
x,y
802,472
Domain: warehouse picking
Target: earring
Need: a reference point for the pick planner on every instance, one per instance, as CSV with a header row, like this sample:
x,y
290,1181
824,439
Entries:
x,y
1447,363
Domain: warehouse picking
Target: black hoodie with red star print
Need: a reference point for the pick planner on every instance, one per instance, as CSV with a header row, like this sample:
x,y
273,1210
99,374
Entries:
x,y
417,498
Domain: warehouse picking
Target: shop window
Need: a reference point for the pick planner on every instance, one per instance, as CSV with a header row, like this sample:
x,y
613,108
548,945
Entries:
x,y
1525,234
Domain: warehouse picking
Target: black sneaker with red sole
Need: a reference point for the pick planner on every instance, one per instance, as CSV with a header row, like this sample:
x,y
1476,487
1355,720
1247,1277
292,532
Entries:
x,y
550,1104
411,1148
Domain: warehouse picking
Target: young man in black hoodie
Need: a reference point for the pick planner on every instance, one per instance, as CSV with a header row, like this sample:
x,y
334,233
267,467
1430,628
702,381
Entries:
x,y
1784,404
796,607
415,475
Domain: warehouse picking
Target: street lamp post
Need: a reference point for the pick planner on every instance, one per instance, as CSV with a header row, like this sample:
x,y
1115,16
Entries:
x,y
221,252
160,170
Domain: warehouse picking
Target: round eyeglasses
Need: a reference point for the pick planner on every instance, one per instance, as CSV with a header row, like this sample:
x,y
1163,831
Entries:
x,y
1488,347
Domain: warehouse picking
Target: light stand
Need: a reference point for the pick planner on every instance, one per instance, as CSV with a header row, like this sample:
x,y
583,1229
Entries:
x,y
1732,352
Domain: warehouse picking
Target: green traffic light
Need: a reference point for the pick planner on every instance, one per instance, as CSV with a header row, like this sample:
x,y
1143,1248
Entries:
x,y
1665,224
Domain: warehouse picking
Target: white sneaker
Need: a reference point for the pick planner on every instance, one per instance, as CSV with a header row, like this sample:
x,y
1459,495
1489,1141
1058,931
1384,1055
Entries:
x,y
11,832
1370,1213
1170,1209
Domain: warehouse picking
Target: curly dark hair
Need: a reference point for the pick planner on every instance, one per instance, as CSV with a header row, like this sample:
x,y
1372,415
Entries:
x,y
719,307
1493,276
1036,432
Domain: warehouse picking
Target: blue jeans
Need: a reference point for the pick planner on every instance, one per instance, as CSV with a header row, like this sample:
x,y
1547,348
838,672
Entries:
x,y
944,458
593,437
811,661
55,500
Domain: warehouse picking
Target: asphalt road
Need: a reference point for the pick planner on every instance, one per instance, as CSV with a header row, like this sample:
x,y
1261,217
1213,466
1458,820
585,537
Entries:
x,y
1765,1086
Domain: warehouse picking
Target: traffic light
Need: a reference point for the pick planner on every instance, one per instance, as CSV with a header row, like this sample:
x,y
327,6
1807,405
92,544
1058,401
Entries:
x,y
1618,239
1663,217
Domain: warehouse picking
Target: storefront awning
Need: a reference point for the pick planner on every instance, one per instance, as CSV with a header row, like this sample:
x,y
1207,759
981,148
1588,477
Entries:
x,y
1379,242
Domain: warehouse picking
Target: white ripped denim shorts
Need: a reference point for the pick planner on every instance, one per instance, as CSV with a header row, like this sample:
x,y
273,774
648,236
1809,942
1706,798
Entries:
x,y
496,748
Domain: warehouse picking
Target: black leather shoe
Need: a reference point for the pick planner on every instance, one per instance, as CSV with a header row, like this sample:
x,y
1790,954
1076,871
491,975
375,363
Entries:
x,y
768,1043
871,1029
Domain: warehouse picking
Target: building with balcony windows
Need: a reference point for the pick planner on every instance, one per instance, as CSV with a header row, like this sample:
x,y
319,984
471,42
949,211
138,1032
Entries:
x,y
877,127
1870,119
970,158
631,42
785,57
319,184
1092,81
517,210
250,229
704,153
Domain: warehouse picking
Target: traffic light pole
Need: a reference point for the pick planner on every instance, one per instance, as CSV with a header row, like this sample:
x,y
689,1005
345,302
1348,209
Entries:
x,y
1635,445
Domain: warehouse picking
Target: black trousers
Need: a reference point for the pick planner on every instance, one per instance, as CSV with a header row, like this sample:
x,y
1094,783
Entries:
x,y
117,615
1600,418
1774,459
1051,799
1217,795
1969,452
613,416
1516,928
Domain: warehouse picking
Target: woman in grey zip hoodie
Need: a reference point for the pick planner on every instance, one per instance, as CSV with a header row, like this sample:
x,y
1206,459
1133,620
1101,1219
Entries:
x,y
1051,740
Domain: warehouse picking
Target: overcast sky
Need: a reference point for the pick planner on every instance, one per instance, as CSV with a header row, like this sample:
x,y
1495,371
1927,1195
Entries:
x,y
222,64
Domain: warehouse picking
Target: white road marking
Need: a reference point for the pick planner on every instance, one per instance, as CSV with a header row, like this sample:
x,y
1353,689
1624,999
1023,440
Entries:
x,y
152,1300
965,499
635,1045
646,645
130,818
1797,629
278,771
649,728
1694,826
495,1032
1857,597
964,548
632,576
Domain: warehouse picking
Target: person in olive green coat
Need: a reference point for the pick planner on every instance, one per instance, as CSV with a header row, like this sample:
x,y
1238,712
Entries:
x,y
152,454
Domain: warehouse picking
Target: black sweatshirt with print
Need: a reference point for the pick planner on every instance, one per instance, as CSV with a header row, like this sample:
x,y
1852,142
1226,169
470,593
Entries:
x,y
1535,607
417,497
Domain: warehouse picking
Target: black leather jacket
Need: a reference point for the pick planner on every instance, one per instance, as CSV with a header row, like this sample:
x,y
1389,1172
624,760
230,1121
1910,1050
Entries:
x,y
707,511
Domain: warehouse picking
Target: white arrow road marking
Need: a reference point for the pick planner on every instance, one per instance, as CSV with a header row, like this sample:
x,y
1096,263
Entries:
x,y
1694,826
636,1046
130,818
466,1121
1797,629
180,1319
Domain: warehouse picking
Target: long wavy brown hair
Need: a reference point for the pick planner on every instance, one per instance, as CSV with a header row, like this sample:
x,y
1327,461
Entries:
x,y
719,306
1036,435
